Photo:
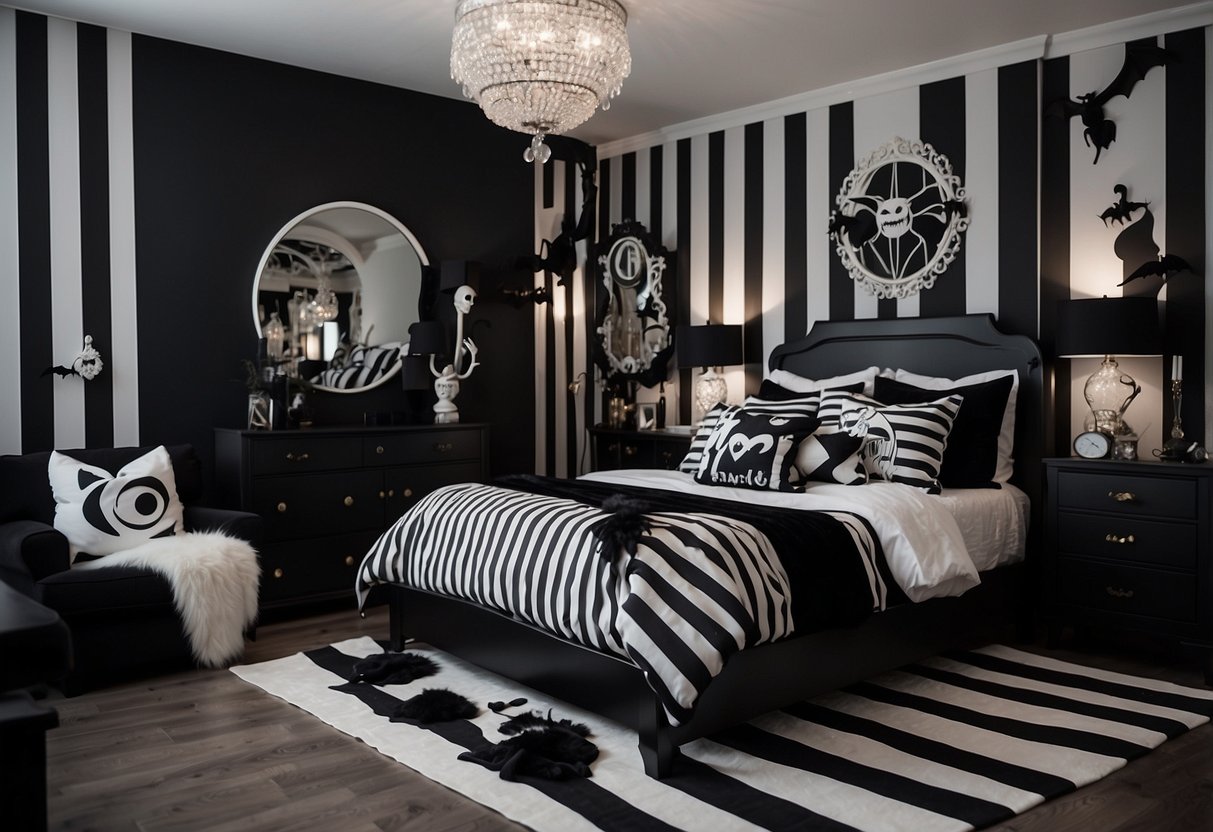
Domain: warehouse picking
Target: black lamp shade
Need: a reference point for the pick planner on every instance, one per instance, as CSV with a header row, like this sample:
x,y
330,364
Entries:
x,y
1095,327
713,345
427,338
456,273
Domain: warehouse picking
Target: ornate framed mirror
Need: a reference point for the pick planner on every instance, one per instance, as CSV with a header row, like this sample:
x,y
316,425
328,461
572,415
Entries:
x,y
634,337
335,293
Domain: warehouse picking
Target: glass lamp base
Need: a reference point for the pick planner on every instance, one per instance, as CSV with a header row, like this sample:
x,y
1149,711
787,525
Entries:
x,y
710,390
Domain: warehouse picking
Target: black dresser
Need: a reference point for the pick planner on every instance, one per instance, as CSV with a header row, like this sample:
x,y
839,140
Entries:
x,y
327,494
1128,545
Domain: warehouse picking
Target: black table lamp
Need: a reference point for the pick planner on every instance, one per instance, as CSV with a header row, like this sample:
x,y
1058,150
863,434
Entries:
x,y
711,346
1107,327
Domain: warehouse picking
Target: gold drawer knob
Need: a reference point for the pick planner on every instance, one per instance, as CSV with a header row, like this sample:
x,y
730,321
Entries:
x,y
391,492
278,573
1122,496
281,507
629,450
1115,538
1116,592
349,560
381,495
408,492
294,457
348,501
443,447
378,449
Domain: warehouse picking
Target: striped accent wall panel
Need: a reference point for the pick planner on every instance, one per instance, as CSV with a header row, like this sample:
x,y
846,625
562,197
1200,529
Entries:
x,y
746,211
65,149
1160,157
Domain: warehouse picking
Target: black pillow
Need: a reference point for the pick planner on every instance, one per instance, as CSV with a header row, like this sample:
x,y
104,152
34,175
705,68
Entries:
x,y
832,457
754,450
778,393
971,457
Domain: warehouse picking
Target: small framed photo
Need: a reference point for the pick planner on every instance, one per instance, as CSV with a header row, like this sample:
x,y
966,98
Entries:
x,y
646,416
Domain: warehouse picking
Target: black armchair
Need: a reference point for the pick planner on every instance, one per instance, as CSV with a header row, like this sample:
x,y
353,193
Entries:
x,y
122,619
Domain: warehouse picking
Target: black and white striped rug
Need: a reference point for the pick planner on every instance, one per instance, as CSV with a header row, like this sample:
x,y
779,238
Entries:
x,y
957,742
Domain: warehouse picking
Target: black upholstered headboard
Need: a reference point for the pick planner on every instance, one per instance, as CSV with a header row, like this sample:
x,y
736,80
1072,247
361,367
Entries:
x,y
948,347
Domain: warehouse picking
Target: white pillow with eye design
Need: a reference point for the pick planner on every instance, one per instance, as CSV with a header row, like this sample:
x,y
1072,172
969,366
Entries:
x,y
801,384
102,513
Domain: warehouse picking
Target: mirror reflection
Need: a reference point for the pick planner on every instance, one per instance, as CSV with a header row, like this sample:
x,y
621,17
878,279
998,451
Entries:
x,y
633,325
335,294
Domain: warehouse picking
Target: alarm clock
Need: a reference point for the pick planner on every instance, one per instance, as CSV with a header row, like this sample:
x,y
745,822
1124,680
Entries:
x,y
1093,444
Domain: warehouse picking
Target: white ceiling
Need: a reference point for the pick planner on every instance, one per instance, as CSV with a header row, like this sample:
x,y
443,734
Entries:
x,y
690,58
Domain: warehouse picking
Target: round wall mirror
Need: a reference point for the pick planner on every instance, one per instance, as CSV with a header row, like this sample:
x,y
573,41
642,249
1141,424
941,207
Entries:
x,y
335,293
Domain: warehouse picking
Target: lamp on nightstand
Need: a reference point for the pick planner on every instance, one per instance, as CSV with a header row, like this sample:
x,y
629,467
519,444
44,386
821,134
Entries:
x,y
1107,327
711,346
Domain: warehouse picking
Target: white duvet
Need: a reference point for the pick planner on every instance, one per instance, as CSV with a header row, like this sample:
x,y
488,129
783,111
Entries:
x,y
922,541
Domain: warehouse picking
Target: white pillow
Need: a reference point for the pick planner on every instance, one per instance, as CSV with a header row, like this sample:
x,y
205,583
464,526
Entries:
x,y
800,384
1006,437
102,513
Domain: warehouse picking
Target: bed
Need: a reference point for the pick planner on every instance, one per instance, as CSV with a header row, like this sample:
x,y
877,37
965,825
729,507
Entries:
x,y
774,674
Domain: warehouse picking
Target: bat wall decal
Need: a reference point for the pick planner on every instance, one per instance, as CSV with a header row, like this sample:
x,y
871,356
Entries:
x,y
1164,267
1100,131
1121,210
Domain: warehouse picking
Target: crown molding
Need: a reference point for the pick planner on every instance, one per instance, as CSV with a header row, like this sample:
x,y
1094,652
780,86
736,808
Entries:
x,y
1033,48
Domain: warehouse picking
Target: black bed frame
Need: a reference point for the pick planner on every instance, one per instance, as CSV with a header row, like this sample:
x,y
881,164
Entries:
x,y
769,676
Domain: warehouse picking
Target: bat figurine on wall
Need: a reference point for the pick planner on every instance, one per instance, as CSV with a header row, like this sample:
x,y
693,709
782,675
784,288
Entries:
x,y
1121,210
58,370
1164,267
1100,131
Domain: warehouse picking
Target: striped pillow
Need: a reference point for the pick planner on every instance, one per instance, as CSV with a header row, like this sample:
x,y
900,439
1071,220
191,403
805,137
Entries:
x,y
803,406
690,462
905,443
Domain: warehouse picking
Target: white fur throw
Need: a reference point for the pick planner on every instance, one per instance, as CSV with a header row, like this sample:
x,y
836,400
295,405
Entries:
x,y
214,578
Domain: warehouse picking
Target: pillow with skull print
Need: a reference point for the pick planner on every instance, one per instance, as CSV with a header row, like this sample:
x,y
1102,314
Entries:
x,y
904,443
101,513
754,450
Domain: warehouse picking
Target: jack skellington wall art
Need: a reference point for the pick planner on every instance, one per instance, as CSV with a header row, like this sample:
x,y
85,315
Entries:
x,y
900,215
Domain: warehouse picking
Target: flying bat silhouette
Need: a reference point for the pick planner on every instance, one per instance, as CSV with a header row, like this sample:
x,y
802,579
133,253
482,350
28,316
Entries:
x,y
59,371
1164,267
1122,209
559,256
1100,131
859,228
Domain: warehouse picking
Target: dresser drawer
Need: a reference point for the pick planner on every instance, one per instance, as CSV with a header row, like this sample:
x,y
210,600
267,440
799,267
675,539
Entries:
x,y
1121,537
1127,589
296,507
421,447
1128,494
299,454
405,486
316,566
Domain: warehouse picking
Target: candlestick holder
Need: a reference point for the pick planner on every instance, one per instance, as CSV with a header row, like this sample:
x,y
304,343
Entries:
x,y
1176,448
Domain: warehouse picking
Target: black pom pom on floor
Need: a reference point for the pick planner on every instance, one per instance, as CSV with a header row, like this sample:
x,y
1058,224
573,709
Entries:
x,y
541,747
434,705
393,669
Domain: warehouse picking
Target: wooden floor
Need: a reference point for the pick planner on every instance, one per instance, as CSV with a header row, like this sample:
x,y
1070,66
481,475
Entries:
x,y
205,751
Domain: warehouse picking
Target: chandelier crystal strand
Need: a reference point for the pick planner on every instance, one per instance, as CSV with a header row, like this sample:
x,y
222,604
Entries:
x,y
540,66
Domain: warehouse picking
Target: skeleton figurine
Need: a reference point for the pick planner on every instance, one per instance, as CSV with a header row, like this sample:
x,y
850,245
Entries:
x,y
446,383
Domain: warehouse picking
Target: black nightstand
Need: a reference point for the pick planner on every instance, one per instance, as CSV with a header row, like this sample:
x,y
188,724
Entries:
x,y
1127,545
613,449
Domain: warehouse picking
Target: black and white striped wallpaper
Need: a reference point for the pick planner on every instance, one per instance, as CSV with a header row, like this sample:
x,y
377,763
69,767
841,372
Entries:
x,y
745,201
66,197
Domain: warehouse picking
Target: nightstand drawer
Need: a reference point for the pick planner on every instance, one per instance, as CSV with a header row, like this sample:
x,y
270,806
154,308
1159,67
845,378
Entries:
x,y
1128,494
1118,537
421,447
299,454
1126,589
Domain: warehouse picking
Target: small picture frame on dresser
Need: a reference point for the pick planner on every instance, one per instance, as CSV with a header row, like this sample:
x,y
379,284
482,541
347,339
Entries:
x,y
646,416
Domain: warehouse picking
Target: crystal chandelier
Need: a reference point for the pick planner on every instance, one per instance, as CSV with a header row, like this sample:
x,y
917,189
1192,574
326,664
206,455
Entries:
x,y
540,66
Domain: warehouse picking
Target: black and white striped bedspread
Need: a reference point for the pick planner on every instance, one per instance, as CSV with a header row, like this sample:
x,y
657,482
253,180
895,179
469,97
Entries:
x,y
699,587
